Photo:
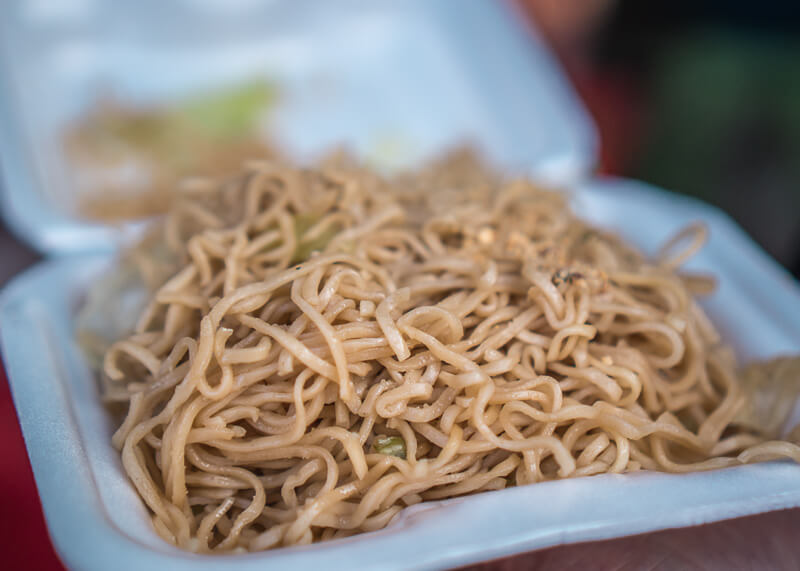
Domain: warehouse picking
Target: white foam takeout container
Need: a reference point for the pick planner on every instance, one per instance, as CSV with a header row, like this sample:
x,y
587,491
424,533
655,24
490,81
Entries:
x,y
417,76
98,522
421,71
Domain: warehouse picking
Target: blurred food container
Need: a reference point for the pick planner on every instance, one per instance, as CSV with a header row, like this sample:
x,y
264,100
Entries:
x,y
104,105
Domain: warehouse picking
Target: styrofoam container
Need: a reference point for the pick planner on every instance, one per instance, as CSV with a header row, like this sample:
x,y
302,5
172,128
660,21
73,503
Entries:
x,y
419,75
424,73
98,522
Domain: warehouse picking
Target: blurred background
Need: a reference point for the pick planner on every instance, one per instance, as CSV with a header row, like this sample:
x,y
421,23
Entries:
x,y
699,97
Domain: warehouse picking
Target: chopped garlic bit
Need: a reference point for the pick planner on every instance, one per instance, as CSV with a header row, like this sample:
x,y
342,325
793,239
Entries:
x,y
366,308
677,323
486,235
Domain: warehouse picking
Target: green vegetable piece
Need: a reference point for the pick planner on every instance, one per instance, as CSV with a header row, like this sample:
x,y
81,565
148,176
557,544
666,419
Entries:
x,y
391,446
302,224
229,113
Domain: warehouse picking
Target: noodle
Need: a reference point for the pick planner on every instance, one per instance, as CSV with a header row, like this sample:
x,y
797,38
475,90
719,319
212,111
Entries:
x,y
333,347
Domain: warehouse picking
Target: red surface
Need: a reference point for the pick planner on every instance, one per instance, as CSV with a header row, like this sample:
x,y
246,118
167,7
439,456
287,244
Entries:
x,y
24,542
613,98
614,104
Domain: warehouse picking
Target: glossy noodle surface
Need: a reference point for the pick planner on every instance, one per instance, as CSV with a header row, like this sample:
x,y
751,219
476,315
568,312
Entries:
x,y
330,347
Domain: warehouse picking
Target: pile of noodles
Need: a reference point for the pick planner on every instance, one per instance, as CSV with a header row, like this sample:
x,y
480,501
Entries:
x,y
331,347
